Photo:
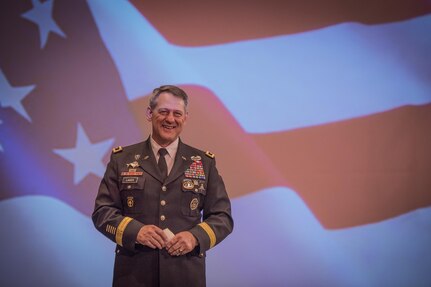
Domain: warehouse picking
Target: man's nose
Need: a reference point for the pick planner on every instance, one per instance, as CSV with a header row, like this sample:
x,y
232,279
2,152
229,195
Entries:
x,y
170,117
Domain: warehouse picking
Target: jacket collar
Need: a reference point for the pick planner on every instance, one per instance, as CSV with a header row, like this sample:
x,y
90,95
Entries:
x,y
149,164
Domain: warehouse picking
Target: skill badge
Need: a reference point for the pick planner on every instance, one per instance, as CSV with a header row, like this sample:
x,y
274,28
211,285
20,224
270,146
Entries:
x,y
134,164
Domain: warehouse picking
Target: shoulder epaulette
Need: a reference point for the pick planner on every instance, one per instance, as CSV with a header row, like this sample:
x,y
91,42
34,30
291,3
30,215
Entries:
x,y
117,149
210,154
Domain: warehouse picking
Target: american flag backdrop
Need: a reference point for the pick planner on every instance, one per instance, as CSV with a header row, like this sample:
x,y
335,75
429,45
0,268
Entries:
x,y
319,113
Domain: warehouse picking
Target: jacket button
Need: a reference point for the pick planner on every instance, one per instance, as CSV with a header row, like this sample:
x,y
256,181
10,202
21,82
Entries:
x,y
162,218
163,203
164,188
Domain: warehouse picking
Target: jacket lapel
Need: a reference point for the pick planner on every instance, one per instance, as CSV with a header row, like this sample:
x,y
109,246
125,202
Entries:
x,y
148,162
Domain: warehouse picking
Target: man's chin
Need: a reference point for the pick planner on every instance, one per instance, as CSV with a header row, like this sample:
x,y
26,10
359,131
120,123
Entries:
x,y
168,138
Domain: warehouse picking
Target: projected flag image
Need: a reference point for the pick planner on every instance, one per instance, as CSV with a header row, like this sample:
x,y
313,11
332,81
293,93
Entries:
x,y
318,113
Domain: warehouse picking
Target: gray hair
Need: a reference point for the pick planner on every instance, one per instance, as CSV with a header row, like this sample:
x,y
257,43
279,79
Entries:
x,y
174,90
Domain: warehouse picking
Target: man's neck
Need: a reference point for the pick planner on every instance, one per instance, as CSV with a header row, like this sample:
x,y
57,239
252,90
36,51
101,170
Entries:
x,y
171,147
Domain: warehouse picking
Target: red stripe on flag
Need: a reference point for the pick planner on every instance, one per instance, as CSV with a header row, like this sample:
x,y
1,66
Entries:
x,y
197,22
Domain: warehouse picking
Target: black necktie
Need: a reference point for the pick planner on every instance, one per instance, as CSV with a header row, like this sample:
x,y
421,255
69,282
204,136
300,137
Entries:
x,y
163,167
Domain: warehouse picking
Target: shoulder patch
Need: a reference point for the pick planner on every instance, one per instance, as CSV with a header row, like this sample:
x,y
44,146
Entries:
x,y
117,149
210,154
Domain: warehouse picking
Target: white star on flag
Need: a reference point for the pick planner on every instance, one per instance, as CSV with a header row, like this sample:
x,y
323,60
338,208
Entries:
x,y
41,14
12,96
86,156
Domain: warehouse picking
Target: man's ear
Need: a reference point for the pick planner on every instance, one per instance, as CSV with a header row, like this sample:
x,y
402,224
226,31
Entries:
x,y
186,117
149,114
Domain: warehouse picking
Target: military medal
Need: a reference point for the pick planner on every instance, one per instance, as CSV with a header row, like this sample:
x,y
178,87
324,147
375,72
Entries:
x,y
196,169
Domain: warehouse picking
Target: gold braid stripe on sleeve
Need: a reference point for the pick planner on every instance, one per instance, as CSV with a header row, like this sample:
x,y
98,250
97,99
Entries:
x,y
210,233
121,227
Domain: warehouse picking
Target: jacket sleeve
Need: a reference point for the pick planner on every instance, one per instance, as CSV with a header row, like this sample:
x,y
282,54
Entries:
x,y
217,218
107,215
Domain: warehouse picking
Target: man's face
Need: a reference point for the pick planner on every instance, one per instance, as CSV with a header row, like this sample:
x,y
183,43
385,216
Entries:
x,y
167,118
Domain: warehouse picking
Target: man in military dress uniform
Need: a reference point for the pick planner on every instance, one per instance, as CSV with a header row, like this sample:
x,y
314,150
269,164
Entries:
x,y
163,202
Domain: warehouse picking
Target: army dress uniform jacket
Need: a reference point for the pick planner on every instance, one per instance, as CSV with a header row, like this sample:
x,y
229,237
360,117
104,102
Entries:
x,y
192,198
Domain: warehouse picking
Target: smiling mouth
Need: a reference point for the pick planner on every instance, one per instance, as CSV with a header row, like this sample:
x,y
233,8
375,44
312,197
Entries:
x,y
168,127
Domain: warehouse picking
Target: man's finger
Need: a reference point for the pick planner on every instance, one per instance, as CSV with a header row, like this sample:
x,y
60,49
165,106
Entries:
x,y
157,243
162,234
172,242
176,252
176,248
149,244
159,240
171,248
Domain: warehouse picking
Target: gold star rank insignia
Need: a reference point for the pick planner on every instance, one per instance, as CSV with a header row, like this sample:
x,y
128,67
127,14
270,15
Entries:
x,y
117,149
210,154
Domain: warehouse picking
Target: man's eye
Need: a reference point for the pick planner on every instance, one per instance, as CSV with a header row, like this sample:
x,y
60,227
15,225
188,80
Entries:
x,y
164,113
178,114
